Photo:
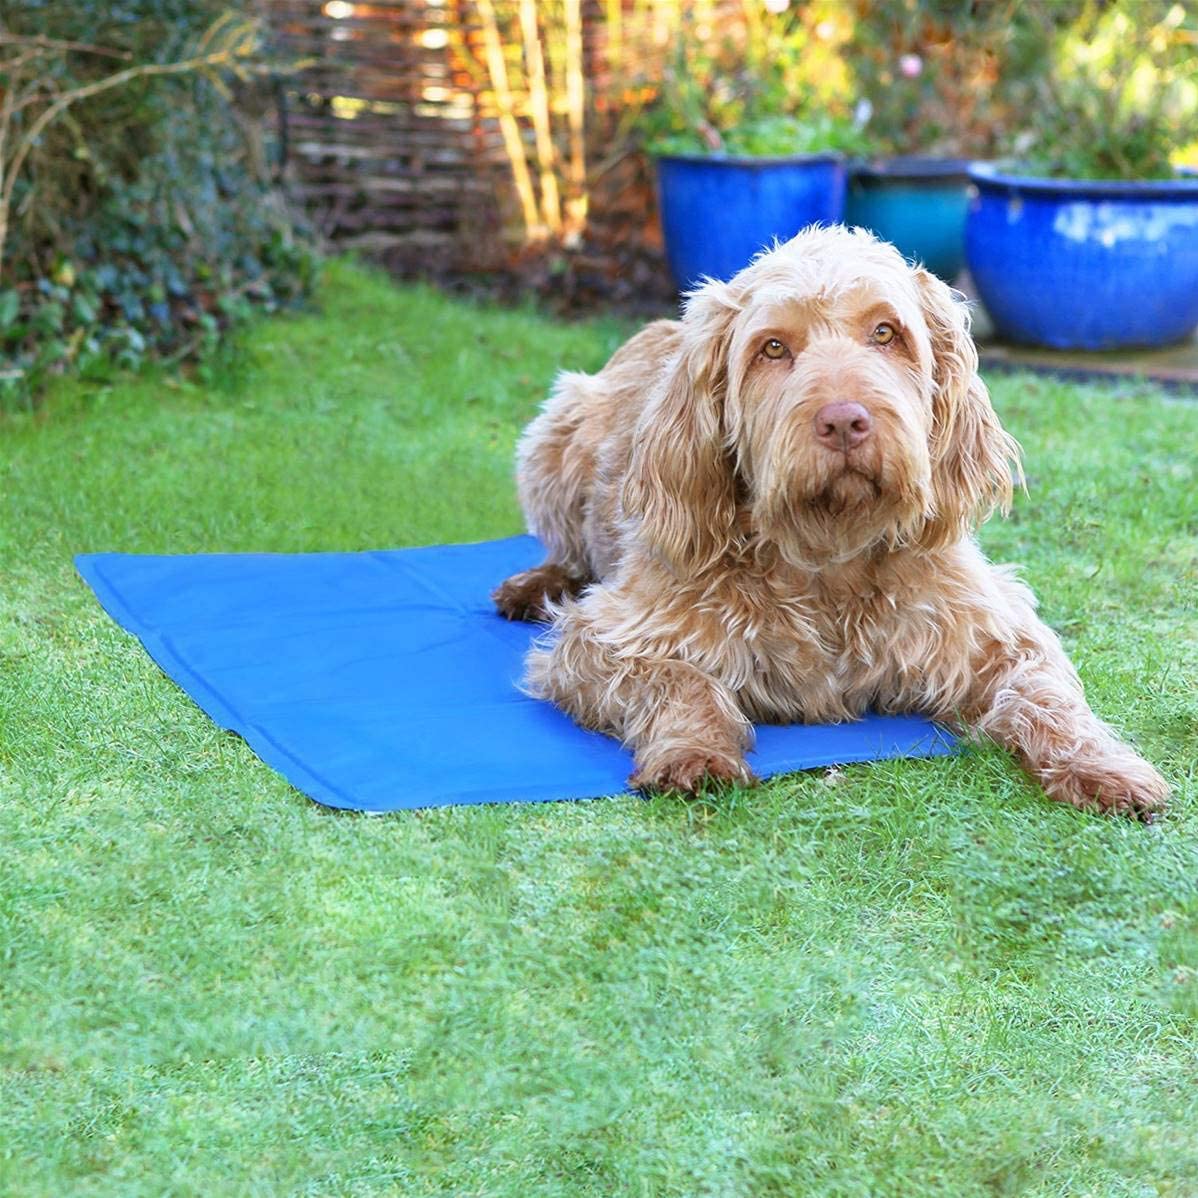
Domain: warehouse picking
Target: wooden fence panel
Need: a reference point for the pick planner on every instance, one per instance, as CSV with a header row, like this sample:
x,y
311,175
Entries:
x,y
393,132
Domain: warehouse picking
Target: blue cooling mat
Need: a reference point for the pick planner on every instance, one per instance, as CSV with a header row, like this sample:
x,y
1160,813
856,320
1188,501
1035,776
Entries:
x,y
381,681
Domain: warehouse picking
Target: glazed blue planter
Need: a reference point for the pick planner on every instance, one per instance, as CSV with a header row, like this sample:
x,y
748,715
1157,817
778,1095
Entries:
x,y
919,204
716,213
1081,264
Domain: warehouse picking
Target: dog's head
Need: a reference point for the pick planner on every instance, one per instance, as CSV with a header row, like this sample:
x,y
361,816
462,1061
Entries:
x,y
828,392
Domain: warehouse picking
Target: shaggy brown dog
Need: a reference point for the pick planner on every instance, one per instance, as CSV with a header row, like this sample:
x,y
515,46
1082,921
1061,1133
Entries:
x,y
763,512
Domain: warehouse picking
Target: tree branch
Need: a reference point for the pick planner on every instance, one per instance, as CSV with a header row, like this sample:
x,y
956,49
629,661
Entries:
x,y
226,56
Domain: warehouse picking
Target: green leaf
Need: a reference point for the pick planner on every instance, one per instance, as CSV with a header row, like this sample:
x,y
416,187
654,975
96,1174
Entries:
x,y
48,318
85,308
10,307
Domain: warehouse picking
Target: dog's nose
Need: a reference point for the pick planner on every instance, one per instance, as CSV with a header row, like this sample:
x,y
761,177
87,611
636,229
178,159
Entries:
x,y
842,425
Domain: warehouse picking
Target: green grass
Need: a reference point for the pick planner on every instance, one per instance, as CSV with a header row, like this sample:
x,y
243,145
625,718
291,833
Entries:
x,y
900,979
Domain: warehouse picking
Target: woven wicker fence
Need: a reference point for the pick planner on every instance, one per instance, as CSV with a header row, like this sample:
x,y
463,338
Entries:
x,y
445,135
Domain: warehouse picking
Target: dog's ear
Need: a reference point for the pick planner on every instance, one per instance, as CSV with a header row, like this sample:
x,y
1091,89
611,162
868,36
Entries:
x,y
680,483
974,460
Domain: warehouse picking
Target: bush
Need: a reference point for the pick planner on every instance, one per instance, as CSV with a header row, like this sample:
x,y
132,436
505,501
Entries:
x,y
1121,97
1082,88
771,84
144,223
947,78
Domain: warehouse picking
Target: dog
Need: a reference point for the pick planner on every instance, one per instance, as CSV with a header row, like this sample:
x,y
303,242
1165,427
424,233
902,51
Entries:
x,y
765,512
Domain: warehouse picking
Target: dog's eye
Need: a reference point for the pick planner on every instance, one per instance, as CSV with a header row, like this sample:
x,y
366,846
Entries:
x,y
884,334
774,349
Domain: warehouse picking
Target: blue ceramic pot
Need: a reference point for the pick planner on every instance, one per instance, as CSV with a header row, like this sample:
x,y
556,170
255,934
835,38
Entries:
x,y
1081,264
920,204
716,213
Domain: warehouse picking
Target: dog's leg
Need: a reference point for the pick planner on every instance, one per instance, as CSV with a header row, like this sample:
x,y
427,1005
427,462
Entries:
x,y
527,595
554,476
684,727
1028,697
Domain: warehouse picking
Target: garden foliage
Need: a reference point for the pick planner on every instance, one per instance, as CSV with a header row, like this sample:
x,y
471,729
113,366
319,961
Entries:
x,y
1081,88
772,84
943,77
144,221
1122,99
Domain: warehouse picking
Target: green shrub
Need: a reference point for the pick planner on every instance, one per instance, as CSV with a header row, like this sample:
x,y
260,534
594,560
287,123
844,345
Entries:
x,y
144,223
772,84
1121,97
946,77
1081,88
1075,88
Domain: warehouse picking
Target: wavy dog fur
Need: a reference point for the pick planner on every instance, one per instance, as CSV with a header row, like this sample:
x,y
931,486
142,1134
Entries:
x,y
712,561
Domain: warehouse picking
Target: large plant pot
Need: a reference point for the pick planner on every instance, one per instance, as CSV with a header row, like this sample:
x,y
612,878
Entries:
x,y
1081,264
920,204
716,213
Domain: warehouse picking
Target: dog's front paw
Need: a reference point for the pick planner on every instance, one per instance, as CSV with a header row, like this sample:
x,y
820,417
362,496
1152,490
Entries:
x,y
685,771
529,594
1122,784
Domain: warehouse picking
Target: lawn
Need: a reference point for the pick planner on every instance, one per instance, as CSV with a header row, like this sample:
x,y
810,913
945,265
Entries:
x,y
898,979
